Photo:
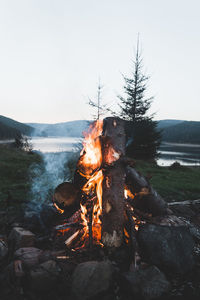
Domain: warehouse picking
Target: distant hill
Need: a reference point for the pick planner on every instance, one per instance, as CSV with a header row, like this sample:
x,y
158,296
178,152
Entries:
x,y
70,129
7,132
166,123
174,131
10,128
183,132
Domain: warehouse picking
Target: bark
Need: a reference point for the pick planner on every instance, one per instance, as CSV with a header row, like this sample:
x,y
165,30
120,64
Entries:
x,y
113,182
146,198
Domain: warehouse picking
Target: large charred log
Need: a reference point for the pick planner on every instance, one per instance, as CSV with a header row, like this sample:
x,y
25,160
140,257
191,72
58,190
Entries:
x,y
66,198
113,148
146,198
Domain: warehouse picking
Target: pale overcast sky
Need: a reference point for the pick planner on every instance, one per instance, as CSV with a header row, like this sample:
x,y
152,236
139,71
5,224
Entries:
x,y
53,51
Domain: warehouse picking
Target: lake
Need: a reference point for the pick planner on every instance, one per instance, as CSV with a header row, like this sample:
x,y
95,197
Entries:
x,y
185,154
55,144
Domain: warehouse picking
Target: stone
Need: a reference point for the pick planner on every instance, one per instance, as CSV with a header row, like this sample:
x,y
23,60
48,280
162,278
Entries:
x,y
168,247
91,279
30,256
44,277
21,238
3,249
149,283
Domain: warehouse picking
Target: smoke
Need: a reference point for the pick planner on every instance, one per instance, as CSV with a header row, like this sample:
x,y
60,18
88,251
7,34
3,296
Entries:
x,y
46,176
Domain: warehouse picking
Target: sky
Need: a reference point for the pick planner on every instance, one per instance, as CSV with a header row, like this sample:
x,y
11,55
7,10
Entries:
x,y
52,53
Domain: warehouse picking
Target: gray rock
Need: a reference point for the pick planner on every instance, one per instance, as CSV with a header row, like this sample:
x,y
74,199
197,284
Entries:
x,y
3,249
168,247
43,278
29,256
91,279
149,283
21,238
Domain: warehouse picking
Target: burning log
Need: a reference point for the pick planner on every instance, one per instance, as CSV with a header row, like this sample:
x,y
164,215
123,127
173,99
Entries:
x,y
66,197
113,207
113,147
145,197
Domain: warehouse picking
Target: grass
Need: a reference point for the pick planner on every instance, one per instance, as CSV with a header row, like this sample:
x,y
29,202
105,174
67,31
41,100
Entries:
x,y
15,177
179,184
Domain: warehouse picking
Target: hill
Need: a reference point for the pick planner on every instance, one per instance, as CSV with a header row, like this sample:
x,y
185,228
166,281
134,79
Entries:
x,y
70,129
168,122
10,128
184,132
7,132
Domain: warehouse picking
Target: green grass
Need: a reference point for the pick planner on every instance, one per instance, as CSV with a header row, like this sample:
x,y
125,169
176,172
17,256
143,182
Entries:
x,y
15,175
178,184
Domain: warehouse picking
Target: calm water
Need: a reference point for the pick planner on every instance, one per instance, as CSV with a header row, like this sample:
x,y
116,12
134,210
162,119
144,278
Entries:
x,y
185,154
55,144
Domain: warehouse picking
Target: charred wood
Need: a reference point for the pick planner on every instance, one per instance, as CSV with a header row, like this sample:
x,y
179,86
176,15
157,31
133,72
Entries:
x,y
66,197
113,147
146,198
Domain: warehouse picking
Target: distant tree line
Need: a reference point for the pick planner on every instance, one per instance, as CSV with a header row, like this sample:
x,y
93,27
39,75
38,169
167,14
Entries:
x,y
184,132
7,132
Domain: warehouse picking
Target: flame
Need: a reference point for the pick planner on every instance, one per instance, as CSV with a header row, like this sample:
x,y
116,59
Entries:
x,y
91,156
91,160
126,236
95,184
127,193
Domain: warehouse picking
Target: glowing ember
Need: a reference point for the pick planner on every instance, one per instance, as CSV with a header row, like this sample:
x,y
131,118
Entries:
x,y
61,211
127,193
112,155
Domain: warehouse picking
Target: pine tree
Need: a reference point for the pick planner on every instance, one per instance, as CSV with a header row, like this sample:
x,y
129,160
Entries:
x,y
135,106
143,137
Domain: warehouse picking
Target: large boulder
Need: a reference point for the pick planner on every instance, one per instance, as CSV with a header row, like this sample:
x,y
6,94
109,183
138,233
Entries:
x,y
168,247
149,283
91,279
29,256
44,277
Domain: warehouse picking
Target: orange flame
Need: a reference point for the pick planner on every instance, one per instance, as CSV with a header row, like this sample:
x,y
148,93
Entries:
x,y
90,161
91,154
127,193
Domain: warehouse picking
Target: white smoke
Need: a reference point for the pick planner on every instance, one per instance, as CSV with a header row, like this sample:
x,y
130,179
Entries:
x,y
46,177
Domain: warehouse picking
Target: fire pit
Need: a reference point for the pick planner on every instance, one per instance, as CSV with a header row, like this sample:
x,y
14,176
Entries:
x,y
109,191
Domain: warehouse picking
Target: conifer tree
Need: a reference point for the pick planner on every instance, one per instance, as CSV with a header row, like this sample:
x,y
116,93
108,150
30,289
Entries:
x,y
142,133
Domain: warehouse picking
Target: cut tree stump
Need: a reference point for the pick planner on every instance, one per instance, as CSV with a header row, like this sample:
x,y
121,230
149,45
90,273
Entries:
x,y
113,148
